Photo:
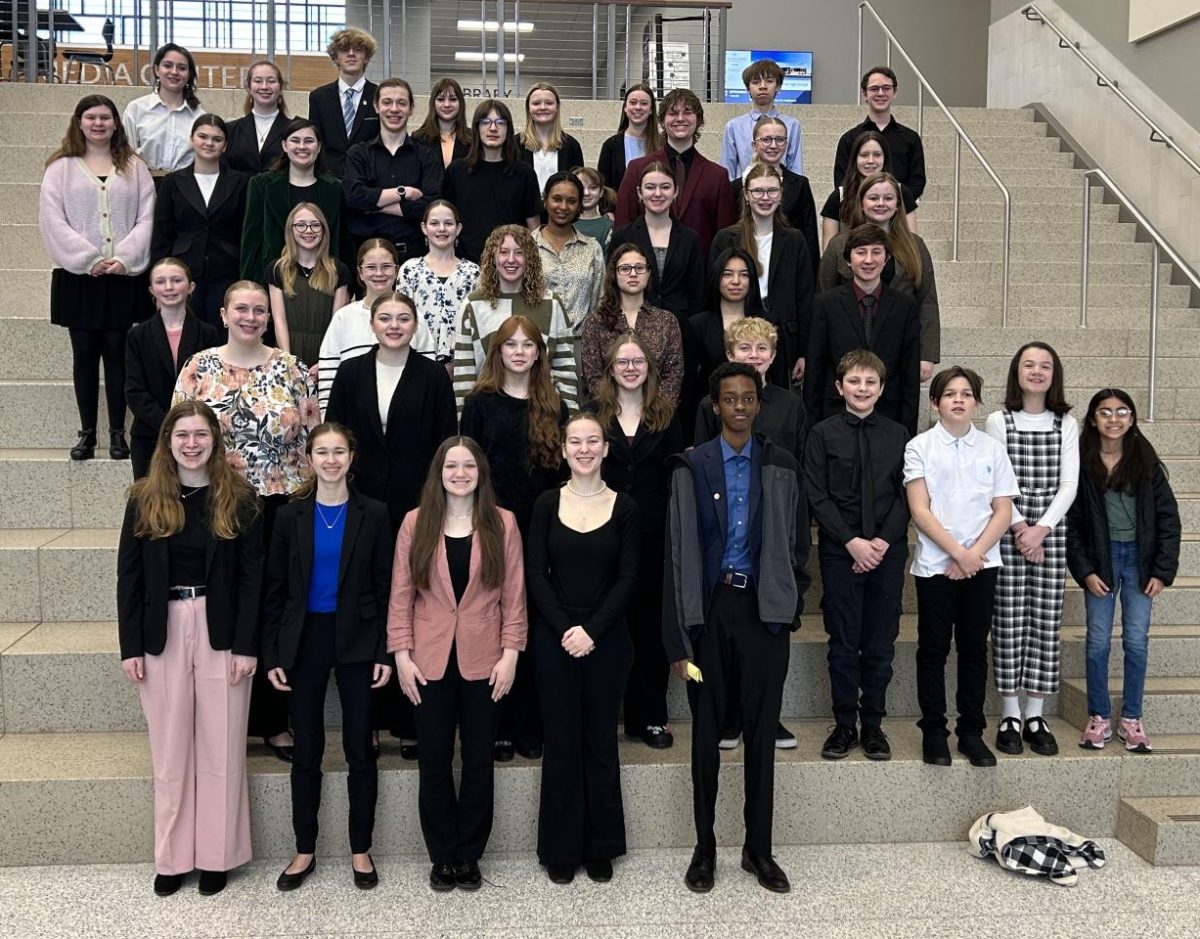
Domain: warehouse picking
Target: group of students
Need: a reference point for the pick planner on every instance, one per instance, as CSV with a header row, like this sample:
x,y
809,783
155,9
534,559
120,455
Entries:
x,y
457,582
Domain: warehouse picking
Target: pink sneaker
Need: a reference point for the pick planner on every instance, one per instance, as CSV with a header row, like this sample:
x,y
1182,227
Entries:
x,y
1135,738
1097,734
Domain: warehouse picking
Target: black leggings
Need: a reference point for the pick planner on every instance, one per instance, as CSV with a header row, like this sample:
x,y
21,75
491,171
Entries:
x,y
88,347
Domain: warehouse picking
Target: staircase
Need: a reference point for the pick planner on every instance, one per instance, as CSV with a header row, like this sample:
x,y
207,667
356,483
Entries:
x,y
75,780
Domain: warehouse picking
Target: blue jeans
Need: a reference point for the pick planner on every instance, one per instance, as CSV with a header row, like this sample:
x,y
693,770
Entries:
x,y
1135,629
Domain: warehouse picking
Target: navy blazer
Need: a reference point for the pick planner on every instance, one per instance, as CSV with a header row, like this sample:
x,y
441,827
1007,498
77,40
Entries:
x,y
712,505
242,152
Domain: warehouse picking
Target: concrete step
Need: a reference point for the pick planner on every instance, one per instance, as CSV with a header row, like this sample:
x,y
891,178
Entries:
x,y
1164,831
100,787
1033,319
1171,704
1101,274
1025,250
1174,650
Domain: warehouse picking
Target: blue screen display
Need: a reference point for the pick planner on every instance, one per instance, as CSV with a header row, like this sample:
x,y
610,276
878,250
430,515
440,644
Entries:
x,y
797,75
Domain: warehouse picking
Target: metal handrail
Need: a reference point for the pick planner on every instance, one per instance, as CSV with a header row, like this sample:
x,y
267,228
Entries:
x,y
961,136
1157,134
1160,246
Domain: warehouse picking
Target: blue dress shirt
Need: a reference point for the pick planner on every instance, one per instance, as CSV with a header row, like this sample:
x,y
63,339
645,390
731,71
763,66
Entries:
x,y
737,493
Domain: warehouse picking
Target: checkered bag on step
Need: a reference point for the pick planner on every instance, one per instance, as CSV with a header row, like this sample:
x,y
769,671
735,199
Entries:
x,y
1024,842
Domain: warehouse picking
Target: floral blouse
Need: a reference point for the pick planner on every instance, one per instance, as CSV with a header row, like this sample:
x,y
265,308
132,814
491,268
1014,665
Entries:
x,y
265,412
438,303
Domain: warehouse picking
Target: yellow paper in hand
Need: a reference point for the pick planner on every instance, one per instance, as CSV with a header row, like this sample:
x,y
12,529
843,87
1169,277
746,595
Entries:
x,y
694,673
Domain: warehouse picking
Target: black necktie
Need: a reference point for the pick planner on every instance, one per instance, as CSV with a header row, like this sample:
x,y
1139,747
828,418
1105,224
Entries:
x,y
866,482
868,309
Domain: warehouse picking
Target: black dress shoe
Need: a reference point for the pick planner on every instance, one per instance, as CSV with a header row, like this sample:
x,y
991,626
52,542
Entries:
x,y
118,449
530,751
875,743
408,750
657,738
700,873
599,871
369,879
560,873
85,446
1039,738
167,884
441,877
467,876
770,875
287,881
1008,737
839,743
286,752
974,749
502,751
212,882
935,750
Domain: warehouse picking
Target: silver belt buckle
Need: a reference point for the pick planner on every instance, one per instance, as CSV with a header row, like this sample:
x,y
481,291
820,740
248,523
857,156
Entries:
x,y
736,579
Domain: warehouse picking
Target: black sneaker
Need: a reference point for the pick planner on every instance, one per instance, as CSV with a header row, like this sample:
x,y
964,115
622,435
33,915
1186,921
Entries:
x,y
784,738
934,749
839,743
1008,737
875,743
974,749
657,737
1039,738
729,739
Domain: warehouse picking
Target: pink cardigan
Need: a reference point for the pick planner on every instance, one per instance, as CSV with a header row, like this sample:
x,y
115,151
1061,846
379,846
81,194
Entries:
x,y
84,220
487,621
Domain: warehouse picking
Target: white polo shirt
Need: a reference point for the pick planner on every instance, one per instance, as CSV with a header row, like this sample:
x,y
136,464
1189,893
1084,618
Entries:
x,y
963,476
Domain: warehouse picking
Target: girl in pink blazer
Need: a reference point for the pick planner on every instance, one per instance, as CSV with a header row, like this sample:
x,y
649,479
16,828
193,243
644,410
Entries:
x,y
457,621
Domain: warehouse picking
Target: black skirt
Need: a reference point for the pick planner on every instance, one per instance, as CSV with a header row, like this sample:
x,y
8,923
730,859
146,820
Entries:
x,y
80,301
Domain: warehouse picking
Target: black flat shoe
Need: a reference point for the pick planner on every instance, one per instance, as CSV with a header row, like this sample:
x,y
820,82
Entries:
x,y
770,875
1039,738
85,447
167,884
840,742
529,751
467,876
599,871
118,449
1008,737
441,877
700,873
408,750
502,751
974,749
286,881
285,753
369,879
560,873
935,750
875,744
212,882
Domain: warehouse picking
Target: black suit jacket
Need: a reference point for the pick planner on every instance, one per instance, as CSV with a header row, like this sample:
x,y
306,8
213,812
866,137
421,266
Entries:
x,y
208,238
789,286
325,110
895,337
612,161
364,583
639,467
241,148
233,577
799,207
570,154
680,285
392,466
150,373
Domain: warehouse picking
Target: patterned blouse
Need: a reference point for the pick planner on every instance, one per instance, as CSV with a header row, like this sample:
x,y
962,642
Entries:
x,y
658,329
438,303
575,276
265,412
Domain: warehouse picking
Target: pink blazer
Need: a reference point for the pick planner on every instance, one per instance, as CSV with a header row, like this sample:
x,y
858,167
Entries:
x,y
487,621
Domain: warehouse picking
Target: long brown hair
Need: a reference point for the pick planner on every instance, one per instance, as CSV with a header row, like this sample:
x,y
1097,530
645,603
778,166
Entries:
x,y
74,144
653,137
608,309
745,225
1138,458
431,518
545,404
159,499
902,243
430,132
248,104
657,409
852,183
1056,396
324,275
533,285
309,486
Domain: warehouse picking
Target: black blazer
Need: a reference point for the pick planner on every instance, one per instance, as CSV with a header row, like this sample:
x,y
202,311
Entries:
x,y
798,206
233,578
241,148
458,152
639,467
895,337
150,373
570,154
704,350
364,583
680,286
208,238
790,282
612,161
392,467
325,110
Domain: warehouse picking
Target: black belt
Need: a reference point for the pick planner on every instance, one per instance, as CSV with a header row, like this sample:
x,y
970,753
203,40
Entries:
x,y
736,579
186,593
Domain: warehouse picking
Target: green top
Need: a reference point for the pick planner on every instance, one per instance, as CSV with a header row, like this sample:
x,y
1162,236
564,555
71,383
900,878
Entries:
x,y
1122,515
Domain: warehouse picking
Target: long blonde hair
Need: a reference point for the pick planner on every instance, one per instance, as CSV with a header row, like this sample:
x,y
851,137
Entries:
x,y
324,274
745,225
902,245
248,104
529,136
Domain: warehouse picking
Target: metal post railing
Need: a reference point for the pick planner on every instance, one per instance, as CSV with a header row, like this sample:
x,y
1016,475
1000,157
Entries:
x,y
516,46
500,80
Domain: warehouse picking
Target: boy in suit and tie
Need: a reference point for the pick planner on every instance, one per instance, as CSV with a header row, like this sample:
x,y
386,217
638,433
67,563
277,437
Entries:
x,y
344,110
865,314
854,476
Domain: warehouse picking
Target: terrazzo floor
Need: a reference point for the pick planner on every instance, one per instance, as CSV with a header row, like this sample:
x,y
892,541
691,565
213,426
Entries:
x,y
920,891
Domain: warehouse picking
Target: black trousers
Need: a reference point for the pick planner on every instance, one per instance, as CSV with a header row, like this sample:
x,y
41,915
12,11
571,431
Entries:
x,y
582,817
862,619
88,348
646,692
208,298
735,642
309,678
268,707
141,449
961,609
519,713
456,826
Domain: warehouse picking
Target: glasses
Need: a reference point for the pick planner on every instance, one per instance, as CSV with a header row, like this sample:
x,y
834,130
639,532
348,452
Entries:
x,y
376,268
767,193
493,122
630,363
307,226
632,269
772,141
879,89
1108,413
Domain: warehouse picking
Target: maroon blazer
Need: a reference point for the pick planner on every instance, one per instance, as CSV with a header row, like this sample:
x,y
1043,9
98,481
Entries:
x,y
486,622
705,206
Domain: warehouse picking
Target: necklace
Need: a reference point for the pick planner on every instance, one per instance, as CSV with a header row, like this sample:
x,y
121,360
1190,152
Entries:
x,y
188,495
337,516
586,495
460,517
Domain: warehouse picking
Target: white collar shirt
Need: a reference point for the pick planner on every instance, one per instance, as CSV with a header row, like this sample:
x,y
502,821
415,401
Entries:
x,y
161,135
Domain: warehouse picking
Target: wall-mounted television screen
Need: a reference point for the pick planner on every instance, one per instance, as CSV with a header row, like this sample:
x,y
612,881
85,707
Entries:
x,y
797,75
